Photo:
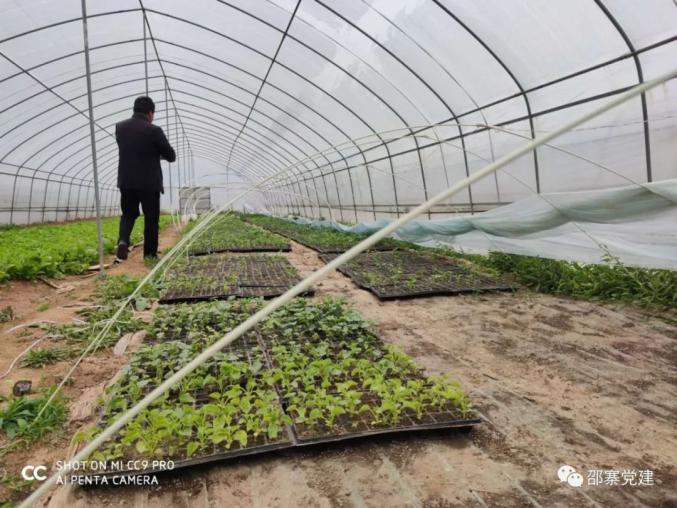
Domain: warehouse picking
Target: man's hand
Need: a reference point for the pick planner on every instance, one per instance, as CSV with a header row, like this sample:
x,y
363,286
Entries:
x,y
163,147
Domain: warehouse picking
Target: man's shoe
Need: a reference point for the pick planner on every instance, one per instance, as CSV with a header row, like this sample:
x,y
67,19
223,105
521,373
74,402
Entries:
x,y
122,252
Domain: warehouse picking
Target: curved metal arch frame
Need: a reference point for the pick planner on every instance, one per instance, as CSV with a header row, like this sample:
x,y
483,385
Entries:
x,y
331,62
506,122
303,78
425,84
262,84
411,71
286,93
204,147
510,74
633,52
86,158
254,152
108,163
275,121
586,70
307,106
119,98
446,71
640,80
217,158
58,105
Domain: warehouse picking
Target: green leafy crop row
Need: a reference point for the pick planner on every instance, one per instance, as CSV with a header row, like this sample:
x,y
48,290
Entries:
x,y
320,238
53,250
608,281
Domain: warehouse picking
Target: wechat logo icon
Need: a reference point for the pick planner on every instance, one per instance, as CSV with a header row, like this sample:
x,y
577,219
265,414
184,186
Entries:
x,y
568,474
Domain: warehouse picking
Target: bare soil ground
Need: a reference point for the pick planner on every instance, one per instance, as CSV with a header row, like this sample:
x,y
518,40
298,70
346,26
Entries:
x,y
557,381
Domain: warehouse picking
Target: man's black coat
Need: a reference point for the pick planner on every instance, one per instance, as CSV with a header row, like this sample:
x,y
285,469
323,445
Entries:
x,y
141,145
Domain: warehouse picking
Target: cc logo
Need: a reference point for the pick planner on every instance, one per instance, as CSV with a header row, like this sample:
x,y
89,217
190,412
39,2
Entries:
x,y
34,473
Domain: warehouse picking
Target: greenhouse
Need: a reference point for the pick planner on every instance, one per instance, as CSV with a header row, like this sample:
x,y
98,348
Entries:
x,y
371,253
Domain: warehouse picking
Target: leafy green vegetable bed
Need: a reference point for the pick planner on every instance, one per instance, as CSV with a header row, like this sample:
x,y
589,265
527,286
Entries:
x,y
610,281
53,250
321,239
309,373
229,233
400,274
221,276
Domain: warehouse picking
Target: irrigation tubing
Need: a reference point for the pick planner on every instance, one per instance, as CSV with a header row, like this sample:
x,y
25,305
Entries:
x,y
316,276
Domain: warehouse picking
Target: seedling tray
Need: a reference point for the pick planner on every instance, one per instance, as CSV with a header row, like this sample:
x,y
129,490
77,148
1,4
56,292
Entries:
x,y
441,423
293,383
231,234
252,276
226,248
201,294
407,274
235,452
289,230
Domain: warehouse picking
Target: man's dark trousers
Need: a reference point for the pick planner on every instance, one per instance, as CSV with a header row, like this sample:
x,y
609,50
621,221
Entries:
x,y
150,204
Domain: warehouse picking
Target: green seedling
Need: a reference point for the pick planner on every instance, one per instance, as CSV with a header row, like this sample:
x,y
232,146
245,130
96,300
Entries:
x,y
18,416
6,314
36,358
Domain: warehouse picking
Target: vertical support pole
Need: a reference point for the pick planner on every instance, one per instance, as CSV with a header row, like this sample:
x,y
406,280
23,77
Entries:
x,y
92,137
178,148
145,49
169,164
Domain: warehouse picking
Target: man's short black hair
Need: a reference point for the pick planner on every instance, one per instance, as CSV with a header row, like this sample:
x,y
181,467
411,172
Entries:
x,y
144,105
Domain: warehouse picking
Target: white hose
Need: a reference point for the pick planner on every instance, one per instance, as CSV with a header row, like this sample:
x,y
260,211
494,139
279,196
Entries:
x,y
11,366
316,276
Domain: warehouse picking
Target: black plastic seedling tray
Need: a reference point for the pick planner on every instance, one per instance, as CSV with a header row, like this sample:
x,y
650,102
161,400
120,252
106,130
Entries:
x,y
410,274
294,442
256,276
300,239
201,294
257,348
259,248
216,456
421,427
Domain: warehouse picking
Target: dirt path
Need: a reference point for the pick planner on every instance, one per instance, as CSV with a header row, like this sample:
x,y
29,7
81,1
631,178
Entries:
x,y
557,381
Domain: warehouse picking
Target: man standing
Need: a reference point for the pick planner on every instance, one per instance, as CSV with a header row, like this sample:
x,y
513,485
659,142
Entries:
x,y
140,147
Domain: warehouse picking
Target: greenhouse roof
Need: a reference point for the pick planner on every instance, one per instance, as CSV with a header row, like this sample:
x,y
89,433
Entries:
x,y
337,98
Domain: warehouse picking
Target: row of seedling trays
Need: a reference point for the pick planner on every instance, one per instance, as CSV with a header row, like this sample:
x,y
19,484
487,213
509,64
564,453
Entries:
x,y
228,233
321,239
401,274
392,269
310,373
221,276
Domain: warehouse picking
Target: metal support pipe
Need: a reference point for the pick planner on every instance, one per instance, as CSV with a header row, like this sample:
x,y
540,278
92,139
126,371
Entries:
x,y
169,164
145,50
95,172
